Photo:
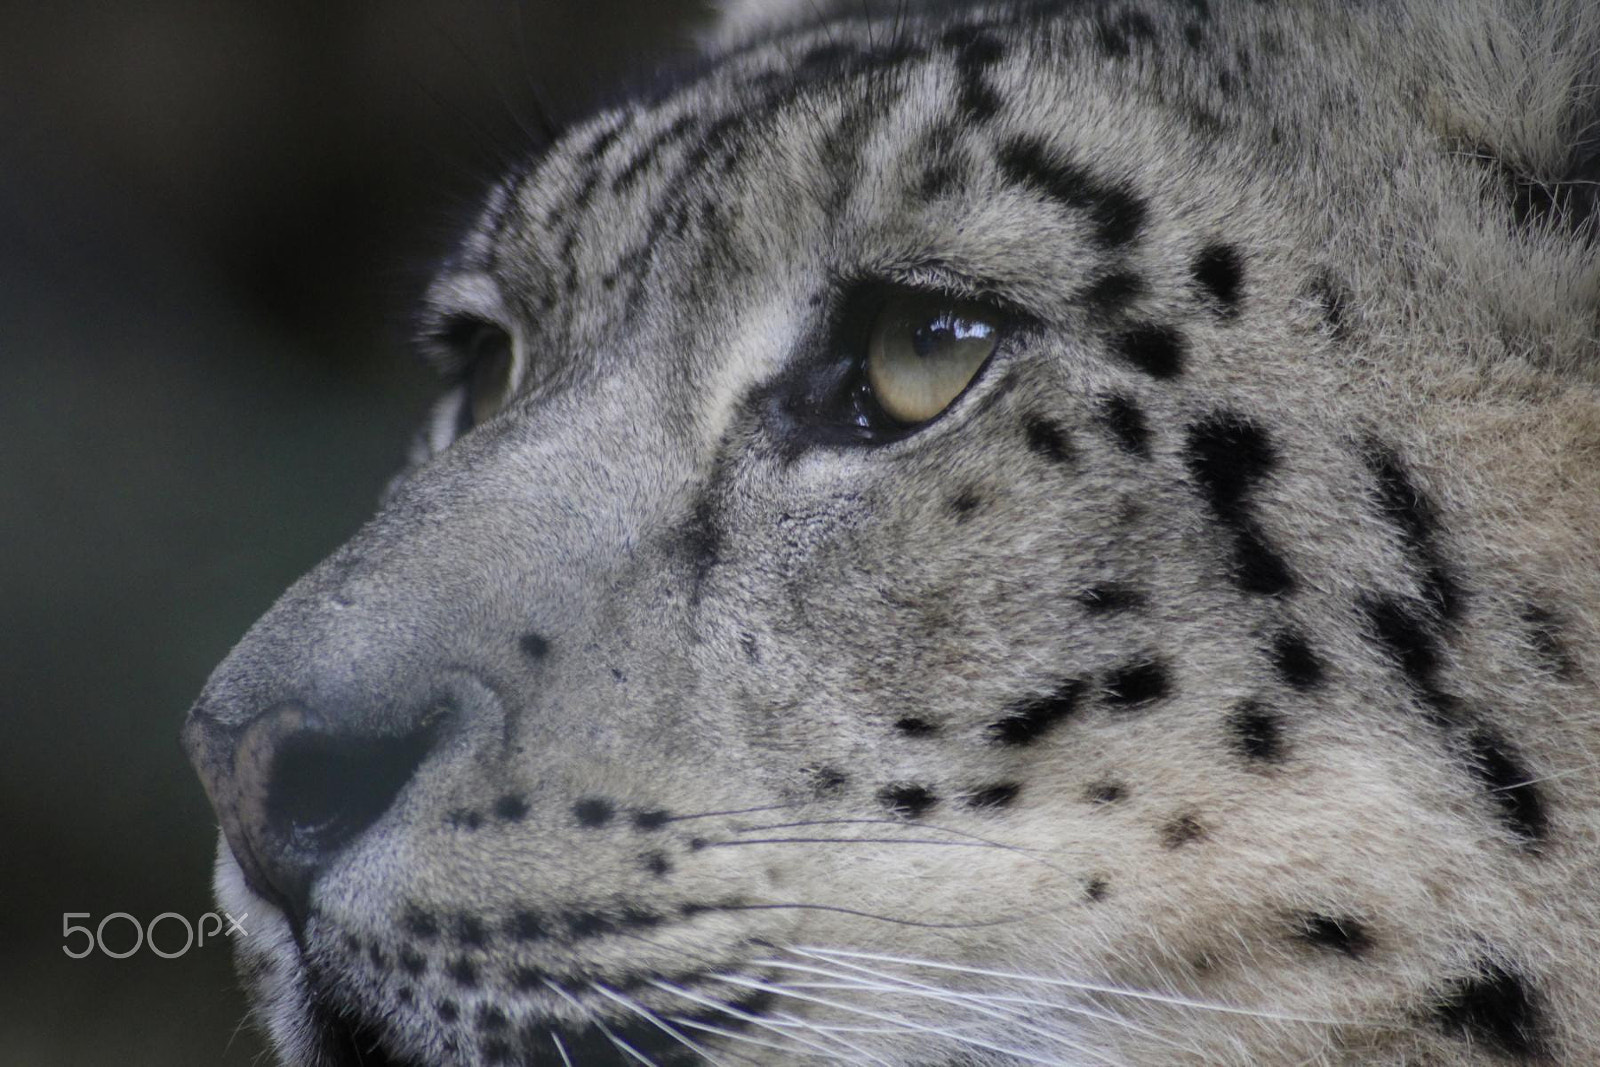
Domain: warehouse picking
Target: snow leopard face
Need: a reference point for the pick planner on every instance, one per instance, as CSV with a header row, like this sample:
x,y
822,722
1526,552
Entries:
x,y
1038,533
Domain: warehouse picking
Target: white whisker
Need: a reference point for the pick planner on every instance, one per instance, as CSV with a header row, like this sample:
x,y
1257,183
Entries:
x,y
561,1049
904,1024
984,1003
1092,987
741,1015
653,1019
621,1045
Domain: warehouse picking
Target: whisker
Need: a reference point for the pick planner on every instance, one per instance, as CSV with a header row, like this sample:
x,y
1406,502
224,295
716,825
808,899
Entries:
x,y
733,811
1029,853
712,965
621,1045
561,1050
903,1024
867,915
964,997
737,1013
847,841
734,1035
834,1034
1011,1019
1092,987
1553,776
653,1019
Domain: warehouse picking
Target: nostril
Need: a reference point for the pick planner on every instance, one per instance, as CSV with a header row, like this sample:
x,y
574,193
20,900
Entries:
x,y
325,789
291,789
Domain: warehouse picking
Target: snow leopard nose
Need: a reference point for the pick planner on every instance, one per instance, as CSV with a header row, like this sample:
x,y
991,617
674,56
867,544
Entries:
x,y
294,786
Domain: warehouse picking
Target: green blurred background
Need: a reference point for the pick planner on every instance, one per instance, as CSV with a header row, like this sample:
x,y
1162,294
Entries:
x,y
213,217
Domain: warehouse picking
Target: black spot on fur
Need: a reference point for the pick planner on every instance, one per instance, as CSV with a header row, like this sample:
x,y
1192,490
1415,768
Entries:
x,y
1496,1008
1408,637
535,646
1096,889
657,864
1115,34
463,972
964,503
1333,299
907,799
1228,455
377,958
1338,934
464,819
448,1011
421,924
915,727
1105,792
491,1018
1219,268
829,779
1047,438
975,52
1156,350
1110,599
1124,418
701,537
1117,214
1510,785
1181,831
1136,684
593,811
470,931
1257,732
944,170
1028,720
651,819
1545,637
511,808
603,141
1412,513
412,962
1113,292
588,924
1296,663
526,925
994,796
752,652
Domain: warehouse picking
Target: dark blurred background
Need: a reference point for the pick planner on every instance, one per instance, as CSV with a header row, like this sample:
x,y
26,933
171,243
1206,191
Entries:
x,y
213,216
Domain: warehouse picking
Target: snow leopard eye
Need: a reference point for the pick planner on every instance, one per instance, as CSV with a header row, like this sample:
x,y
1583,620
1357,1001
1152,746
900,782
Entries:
x,y
923,352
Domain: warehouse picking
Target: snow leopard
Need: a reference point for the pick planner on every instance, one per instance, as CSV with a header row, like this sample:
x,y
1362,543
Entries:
x,y
968,535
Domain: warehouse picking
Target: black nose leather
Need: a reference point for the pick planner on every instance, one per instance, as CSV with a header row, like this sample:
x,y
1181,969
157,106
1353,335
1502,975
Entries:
x,y
292,788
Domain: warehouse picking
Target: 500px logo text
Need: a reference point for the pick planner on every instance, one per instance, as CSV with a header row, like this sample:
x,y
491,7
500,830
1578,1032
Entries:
x,y
170,923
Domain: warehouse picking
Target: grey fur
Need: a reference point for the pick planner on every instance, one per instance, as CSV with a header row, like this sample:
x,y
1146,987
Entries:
x,y
1250,719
